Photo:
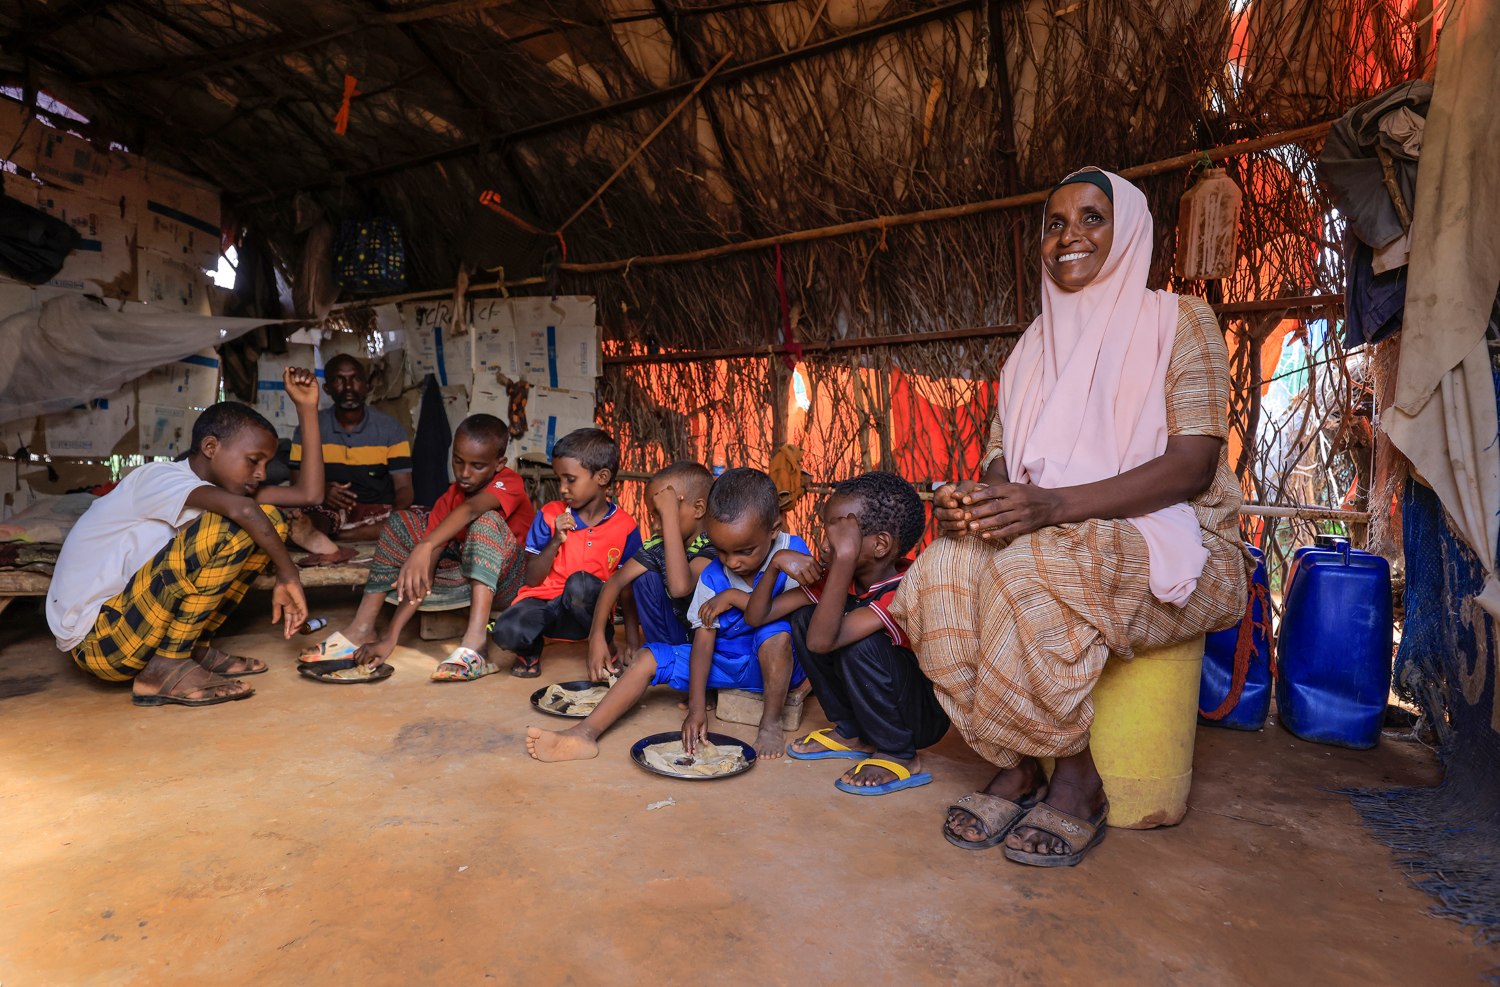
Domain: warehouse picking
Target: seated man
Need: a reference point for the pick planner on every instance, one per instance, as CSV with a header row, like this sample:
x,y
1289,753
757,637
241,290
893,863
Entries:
x,y
366,466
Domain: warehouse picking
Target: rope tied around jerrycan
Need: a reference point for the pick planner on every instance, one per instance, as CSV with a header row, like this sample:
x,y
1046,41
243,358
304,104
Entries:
x,y
1244,649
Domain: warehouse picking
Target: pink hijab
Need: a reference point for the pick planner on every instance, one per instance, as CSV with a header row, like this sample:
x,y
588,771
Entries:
x,y
1083,397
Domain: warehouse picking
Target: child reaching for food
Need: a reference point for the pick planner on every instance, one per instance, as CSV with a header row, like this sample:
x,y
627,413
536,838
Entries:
x,y
726,652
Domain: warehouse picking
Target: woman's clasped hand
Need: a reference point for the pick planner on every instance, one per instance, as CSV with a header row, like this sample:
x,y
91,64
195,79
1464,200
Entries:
x,y
998,512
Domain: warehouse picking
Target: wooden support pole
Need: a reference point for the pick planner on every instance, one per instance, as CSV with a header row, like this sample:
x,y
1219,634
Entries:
x,y
1305,512
946,212
1289,305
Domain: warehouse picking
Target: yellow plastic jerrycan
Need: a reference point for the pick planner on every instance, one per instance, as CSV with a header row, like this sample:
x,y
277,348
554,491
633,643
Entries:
x,y
1145,721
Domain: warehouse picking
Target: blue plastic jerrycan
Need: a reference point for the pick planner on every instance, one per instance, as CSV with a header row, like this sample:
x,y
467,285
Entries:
x,y
1334,646
1249,713
1321,543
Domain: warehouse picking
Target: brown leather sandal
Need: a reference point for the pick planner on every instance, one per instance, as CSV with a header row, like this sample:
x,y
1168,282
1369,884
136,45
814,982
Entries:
x,y
1078,835
219,663
180,677
996,815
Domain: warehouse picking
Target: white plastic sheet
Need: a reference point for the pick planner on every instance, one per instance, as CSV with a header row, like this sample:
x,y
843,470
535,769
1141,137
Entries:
x,y
74,349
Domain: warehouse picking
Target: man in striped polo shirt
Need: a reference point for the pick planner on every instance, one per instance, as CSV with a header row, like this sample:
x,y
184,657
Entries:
x,y
366,464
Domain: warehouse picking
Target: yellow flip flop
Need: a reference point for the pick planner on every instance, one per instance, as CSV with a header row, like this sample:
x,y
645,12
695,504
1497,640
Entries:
x,y
831,748
904,778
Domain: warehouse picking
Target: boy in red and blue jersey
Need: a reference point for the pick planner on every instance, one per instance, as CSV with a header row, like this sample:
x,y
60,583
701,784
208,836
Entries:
x,y
574,545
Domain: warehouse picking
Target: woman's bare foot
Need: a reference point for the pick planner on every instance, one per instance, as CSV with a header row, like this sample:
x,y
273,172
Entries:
x,y
544,745
813,747
770,743
1013,784
303,533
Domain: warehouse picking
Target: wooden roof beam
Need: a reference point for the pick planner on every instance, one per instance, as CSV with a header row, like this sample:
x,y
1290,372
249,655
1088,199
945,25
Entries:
x,y
732,171
56,18
675,91
286,43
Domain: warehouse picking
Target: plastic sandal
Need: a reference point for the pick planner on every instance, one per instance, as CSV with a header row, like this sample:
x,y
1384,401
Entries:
x,y
464,665
904,778
831,748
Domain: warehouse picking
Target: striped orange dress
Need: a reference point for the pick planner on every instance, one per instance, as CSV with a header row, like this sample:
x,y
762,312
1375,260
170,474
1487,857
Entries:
x,y
1015,637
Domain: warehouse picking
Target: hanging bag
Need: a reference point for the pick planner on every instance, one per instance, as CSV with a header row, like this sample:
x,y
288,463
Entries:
x,y
369,257
33,245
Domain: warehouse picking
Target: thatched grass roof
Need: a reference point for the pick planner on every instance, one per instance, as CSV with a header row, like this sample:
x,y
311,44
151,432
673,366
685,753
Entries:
x,y
823,111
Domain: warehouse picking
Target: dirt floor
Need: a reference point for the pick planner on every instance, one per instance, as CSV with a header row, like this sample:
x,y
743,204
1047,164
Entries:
x,y
398,834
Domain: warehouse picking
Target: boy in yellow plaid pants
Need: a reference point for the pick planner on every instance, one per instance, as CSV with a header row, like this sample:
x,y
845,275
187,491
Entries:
x,y
153,568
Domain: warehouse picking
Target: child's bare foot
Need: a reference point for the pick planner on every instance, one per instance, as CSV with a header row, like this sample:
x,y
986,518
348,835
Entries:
x,y
770,742
544,745
799,692
303,533
361,635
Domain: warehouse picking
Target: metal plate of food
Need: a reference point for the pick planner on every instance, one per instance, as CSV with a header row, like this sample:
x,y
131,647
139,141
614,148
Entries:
x,y
574,700
721,757
344,671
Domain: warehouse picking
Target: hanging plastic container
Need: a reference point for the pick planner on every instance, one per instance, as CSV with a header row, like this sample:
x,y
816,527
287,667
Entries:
x,y
1208,218
1249,712
1334,648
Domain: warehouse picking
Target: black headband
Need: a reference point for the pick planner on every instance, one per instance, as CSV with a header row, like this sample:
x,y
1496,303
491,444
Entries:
x,y
1098,179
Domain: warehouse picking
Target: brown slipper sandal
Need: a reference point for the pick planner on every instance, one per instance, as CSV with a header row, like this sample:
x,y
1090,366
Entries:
x,y
526,668
221,662
179,677
1078,835
997,816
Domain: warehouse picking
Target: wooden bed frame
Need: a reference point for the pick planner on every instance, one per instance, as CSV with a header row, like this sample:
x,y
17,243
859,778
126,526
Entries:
x,y
14,585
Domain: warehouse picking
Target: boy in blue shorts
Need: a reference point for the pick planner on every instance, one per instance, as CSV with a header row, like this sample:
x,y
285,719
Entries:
x,y
726,652
658,583
574,545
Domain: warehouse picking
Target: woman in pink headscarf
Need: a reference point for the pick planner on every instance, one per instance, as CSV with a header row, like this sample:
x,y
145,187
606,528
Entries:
x,y
1105,520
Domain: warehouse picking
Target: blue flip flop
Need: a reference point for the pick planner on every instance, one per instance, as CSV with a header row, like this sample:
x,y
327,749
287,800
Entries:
x,y
904,778
831,748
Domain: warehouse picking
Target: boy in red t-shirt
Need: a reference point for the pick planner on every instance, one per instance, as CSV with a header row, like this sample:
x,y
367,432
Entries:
x,y
574,545
472,535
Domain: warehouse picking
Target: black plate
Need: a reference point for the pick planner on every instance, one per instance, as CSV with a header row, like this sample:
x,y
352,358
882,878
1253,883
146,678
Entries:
x,y
638,754
574,686
318,670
